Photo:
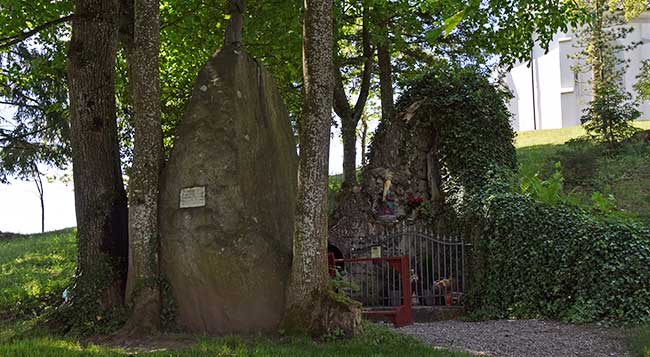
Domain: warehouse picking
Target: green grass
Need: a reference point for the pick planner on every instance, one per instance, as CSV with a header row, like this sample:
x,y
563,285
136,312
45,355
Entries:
x,y
558,136
640,341
378,341
623,175
36,269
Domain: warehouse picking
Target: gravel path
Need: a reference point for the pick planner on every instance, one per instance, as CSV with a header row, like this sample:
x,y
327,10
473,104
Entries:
x,y
520,338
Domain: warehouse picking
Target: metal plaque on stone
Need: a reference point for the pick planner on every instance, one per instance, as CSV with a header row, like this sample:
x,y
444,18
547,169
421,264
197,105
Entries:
x,y
192,197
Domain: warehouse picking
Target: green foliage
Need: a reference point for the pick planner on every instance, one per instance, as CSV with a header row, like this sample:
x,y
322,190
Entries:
x,y
34,129
579,158
339,282
191,30
589,167
424,211
642,86
549,191
603,203
31,83
466,29
611,110
83,314
541,256
558,261
609,116
334,184
630,8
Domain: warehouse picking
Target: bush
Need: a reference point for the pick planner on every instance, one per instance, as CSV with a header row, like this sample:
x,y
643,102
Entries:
x,y
557,261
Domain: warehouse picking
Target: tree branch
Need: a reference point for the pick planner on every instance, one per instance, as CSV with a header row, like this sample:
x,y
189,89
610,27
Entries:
x,y
15,39
341,105
4,136
367,71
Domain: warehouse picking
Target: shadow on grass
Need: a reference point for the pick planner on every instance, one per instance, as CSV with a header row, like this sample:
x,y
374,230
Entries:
x,y
377,341
534,159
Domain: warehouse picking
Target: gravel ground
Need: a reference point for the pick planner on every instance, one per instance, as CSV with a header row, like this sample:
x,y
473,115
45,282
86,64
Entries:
x,y
521,338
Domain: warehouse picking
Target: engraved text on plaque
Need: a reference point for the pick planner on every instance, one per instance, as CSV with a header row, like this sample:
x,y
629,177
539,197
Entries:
x,y
192,197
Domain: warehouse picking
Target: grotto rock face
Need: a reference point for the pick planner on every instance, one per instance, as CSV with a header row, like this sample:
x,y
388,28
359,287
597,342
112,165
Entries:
x,y
227,201
405,153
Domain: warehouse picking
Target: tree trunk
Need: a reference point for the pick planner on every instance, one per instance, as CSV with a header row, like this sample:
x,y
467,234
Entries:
x,y
597,66
385,80
364,139
142,288
39,187
349,135
350,116
311,306
100,200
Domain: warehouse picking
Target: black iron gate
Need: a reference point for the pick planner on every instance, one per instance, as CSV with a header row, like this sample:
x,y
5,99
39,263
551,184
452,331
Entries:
x,y
438,262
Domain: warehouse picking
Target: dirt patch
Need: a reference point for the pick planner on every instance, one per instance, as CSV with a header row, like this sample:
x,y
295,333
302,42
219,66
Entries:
x,y
161,343
521,338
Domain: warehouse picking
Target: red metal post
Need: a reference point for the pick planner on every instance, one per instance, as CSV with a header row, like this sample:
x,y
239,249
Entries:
x,y
404,315
331,265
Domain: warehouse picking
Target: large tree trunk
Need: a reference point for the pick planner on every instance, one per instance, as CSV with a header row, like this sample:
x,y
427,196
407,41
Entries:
x,y
142,288
100,200
311,306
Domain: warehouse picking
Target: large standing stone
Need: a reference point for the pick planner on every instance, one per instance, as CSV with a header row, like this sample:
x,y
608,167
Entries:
x,y
227,252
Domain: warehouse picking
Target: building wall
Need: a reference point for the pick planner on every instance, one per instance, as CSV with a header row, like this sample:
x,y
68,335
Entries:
x,y
550,95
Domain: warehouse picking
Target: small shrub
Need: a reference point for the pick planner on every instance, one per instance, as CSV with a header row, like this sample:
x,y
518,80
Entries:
x,y
603,203
609,116
550,190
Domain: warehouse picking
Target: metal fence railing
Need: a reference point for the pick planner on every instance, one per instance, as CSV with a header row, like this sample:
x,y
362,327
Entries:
x,y
438,268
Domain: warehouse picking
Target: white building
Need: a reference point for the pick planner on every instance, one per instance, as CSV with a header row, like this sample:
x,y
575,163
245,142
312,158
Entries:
x,y
549,95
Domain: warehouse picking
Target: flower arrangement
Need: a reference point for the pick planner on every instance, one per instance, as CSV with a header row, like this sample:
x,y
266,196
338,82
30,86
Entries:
x,y
413,202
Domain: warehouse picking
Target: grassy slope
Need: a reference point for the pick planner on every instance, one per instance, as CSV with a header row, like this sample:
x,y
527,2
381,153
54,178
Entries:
x,y
34,267
35,270
625,175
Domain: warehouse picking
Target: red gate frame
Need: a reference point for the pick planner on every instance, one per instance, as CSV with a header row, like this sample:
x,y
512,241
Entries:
x,y
401,315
